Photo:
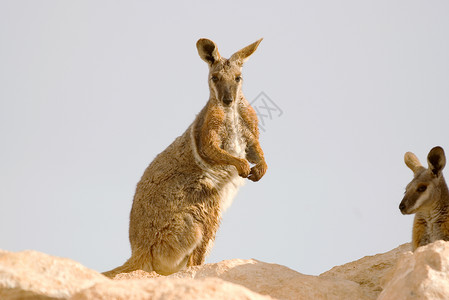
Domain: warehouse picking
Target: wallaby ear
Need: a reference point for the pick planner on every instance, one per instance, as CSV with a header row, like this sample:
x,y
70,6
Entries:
x,y
436,160
243,54
412,162
208,51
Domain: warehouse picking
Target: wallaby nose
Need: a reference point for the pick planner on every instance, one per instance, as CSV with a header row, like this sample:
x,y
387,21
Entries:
x,y
227,101
402,207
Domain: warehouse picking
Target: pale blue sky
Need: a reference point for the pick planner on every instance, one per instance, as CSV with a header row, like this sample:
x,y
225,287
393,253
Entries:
x,y
91,91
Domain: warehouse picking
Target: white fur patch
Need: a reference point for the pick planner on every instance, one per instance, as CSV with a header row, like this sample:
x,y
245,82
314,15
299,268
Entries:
x,y
237,144
229,192
424,196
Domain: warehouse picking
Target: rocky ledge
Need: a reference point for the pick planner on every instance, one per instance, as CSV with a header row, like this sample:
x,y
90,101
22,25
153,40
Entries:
x,y
397,274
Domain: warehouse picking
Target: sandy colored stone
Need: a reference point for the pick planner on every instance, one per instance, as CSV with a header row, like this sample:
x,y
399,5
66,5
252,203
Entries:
x,y
423,274
369,270
139,274
35,275
164,288
276,281
3,252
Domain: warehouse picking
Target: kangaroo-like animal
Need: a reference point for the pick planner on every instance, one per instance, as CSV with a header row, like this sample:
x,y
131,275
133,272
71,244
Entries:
x,y
427,197
179,201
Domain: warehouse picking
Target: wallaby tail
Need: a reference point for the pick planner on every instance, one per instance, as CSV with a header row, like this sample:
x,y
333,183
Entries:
x,y
125,268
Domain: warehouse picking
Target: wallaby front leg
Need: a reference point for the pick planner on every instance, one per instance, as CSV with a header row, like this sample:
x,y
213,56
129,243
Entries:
x,y
255,156
214,152
254,152
210,142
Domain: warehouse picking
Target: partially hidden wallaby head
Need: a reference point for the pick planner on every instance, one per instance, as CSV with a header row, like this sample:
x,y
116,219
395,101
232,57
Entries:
x,y
427,197
182,194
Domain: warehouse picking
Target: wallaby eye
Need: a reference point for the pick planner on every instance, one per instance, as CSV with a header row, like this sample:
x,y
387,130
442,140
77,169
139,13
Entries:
x,y
214,78
238,78
422,188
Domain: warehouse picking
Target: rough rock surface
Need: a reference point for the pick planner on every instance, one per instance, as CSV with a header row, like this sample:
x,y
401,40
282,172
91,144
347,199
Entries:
x,y
275,280
139,274
35,275
369,270
168,289
423,274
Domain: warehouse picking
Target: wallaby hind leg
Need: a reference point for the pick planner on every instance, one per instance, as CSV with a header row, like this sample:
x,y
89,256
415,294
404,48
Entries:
x,y
166,265
199,254
173,252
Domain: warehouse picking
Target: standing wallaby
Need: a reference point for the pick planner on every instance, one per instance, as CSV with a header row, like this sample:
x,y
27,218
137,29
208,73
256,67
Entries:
x,y
427,197
179,201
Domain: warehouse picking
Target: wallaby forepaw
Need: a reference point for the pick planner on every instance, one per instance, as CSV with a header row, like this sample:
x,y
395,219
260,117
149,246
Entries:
x,y
244,169
257,172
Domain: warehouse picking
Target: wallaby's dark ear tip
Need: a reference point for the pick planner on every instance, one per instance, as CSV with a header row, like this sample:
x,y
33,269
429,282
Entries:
x,y
436,159
436,154
438,149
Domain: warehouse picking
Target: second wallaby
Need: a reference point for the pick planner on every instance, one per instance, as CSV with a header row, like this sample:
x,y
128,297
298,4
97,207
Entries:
x,y
179,201
427,197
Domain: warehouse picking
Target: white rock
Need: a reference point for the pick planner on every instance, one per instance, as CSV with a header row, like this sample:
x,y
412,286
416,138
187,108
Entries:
x,y
276,281
35,275
164,288
423,274
369,270
405,275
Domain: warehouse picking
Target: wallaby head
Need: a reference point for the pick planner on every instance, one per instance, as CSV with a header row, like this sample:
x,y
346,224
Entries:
x,y
225,75
424,192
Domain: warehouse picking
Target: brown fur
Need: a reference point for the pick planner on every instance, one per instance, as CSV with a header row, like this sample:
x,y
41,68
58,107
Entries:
x,y
179,201
427,197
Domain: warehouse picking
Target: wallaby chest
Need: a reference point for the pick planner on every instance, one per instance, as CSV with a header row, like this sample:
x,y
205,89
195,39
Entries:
x,y
233,140
436,226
